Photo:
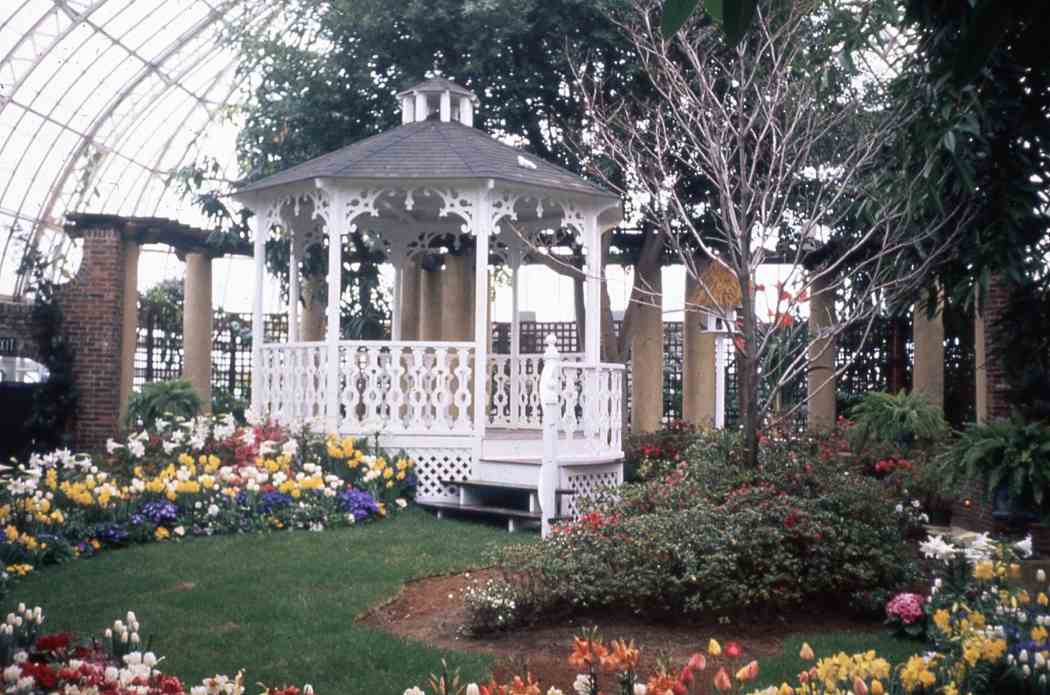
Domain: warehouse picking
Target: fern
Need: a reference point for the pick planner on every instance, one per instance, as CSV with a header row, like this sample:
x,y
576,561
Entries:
x,y
162,399
897,419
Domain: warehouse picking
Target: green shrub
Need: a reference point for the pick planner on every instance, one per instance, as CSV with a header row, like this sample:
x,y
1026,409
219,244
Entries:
x,y
162,400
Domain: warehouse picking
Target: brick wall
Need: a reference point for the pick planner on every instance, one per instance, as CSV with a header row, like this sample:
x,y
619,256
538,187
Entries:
x,y
92,305
16,322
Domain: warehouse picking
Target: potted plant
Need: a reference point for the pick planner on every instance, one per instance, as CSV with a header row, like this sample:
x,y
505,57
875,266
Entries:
x,y
1011,459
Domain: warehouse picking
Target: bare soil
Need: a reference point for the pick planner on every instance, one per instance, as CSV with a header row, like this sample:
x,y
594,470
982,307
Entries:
x,y
431,610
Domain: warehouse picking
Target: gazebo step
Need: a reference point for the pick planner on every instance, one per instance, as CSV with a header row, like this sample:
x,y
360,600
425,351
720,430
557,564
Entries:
x,y
500,485
513,516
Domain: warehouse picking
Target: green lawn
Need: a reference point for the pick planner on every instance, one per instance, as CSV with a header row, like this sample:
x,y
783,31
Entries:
x,y
281,606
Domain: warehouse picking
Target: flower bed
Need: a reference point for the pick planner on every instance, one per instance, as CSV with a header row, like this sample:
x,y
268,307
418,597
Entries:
x,y
189,478
111,663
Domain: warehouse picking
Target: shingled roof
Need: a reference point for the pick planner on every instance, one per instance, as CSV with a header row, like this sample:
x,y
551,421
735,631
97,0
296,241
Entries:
x,y
430,150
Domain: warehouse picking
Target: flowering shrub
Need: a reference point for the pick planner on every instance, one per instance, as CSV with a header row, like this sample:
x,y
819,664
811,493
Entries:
x,y
722,538
34,663
492,605
194,477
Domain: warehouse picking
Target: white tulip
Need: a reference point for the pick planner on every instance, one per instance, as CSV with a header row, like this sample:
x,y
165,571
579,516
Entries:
x,y
473,689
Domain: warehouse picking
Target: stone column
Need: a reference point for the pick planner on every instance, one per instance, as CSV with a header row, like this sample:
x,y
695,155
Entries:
x,y
457,310
821,357
410,291
196,326
130,327
311,319
698,363
928,367
430,302
647,357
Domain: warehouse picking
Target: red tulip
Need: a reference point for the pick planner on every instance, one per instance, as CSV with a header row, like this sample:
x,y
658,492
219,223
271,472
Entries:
x,y
722,681
697,662
733,650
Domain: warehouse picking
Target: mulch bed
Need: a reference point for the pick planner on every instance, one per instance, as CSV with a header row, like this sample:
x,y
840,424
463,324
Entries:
x,y
431,610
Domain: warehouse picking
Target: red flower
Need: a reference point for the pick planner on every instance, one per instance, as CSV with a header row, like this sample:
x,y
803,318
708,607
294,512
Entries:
x,y
53,642
732,650
41,673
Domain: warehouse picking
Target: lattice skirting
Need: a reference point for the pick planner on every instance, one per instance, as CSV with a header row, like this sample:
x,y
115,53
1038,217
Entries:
x,y
435,461
586,481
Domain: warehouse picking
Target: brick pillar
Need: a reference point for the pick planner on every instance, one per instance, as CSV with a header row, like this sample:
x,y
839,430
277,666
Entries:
x,y
992,390
973,510
196,326
928,369
698,363
130,324
93,309
647,357
821,413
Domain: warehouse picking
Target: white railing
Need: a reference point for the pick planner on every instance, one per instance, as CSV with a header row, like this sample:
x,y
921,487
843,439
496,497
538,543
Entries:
x,y
406,387
591,406
578,401
391,387
514,389
291,382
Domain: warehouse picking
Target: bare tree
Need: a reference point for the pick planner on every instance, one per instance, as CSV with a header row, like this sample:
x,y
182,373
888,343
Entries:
x,y
795,154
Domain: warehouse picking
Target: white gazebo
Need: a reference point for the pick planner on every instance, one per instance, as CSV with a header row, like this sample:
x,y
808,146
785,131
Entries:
x,y
444,202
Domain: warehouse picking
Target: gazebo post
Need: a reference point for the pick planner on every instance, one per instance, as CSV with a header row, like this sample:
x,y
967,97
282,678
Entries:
x,y
514,258
592,286
293,282
395,322
482,222
336,227
257,308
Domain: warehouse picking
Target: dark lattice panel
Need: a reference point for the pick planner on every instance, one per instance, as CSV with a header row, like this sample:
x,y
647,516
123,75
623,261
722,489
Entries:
x,y
674,358
158,352
158,356
533,333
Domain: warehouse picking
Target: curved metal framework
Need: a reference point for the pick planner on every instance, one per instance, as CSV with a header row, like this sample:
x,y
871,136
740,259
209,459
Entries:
x,y
101,102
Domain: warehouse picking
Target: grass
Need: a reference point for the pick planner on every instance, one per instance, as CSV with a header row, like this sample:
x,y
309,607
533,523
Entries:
x,y
282,606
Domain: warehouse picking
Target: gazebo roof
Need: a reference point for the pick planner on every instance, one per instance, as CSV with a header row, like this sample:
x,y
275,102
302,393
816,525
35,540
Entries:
x,y
433,149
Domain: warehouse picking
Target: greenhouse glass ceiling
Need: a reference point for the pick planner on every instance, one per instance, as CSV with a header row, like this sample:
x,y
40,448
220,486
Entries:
x,y
101,102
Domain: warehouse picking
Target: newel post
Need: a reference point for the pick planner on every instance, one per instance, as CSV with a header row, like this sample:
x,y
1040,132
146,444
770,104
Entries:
x,y
550,393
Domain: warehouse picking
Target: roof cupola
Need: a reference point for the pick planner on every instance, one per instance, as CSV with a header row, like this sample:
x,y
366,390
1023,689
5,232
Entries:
x,y
438,99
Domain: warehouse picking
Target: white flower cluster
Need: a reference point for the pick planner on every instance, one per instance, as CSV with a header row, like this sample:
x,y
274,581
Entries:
x,y
979,547
493,600
125,633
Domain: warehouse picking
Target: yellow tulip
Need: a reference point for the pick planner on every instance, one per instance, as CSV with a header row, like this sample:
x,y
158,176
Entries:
x,y
714,648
